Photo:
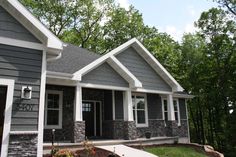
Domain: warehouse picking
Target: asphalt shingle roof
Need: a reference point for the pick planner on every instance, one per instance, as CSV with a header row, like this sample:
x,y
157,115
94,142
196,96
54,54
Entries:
x,y
73,59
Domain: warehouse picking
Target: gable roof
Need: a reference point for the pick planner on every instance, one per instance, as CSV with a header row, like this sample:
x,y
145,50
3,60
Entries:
x,y
73,59
17,10
143,52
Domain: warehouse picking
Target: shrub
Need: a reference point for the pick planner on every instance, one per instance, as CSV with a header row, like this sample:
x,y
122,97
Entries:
x,y
63,153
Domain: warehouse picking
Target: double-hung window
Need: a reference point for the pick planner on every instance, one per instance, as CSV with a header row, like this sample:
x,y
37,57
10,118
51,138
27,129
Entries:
x,y
176,110
140,110
53,109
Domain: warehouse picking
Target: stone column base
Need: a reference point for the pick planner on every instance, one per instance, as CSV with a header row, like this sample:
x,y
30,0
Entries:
x,y
22,145
130,130
79,131
171,128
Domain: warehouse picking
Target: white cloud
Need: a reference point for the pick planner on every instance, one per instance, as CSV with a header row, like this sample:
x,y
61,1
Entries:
x,y
124,4
174,32
189,28
192,11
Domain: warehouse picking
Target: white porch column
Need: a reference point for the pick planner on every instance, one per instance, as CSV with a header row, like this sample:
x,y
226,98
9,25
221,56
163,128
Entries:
x,y
78,104
170,107
128,109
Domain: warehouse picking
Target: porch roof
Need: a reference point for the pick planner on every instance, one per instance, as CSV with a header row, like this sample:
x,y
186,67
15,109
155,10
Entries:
x,y
73,59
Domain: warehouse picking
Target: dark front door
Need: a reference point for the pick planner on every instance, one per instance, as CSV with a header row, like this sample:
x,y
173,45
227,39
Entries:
x,y
3,94
92,118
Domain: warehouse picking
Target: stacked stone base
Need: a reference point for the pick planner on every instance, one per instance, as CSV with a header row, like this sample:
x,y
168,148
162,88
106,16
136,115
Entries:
x,y
24,145
79,131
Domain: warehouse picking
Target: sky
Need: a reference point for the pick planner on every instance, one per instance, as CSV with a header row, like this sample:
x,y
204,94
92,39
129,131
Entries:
x,y
171,16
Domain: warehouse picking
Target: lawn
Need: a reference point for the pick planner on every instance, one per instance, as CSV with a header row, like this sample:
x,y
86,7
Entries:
x,y
175,152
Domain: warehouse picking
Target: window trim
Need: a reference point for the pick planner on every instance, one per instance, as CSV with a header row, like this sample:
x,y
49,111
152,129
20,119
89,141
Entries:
x,y
178,110
60,93
145,109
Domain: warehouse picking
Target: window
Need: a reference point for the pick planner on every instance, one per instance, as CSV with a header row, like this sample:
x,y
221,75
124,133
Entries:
x,y
176,110
53,110
140,110
165,110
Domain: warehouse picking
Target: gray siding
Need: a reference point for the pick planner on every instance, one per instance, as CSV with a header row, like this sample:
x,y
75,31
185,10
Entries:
x,y
24,66
11,28
142,70
119,109
182,109
154,106
105,75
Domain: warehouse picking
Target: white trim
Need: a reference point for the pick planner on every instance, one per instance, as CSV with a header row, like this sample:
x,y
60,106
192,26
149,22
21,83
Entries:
x,y
178,111
64,82
113,105
41,106
145,110
170,106
128,109
78,104
60,93
90,85
124,72
59,75
186,107
158,67
21,43
163,109
150,91
23,132
8,111
136,44
33,24
186,96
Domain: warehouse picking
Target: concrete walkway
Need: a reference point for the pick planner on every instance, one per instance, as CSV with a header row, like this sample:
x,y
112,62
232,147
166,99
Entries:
x,y
124,151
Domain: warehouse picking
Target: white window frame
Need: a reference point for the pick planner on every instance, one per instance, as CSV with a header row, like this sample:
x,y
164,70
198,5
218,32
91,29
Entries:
x,y
59,126
163,110
178,112
145,110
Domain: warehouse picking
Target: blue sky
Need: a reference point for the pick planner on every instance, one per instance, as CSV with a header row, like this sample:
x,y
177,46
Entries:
x,y
172,16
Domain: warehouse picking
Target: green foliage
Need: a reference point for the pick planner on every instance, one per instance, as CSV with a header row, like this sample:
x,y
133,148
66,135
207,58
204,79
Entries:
x,y
175,152
63,153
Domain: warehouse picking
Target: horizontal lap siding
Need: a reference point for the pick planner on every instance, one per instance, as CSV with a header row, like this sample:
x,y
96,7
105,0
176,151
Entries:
x,y
104,75
24,66
11,28
142,70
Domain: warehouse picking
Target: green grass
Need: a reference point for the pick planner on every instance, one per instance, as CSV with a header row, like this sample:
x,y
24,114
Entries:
x,y
175,152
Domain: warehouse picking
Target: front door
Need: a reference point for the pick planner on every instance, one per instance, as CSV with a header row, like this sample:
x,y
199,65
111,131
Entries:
x,y
3,94
92,118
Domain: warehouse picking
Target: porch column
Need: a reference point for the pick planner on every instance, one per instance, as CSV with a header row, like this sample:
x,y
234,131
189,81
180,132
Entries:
x,y
79,124
170,107
130,130
128,109
78,104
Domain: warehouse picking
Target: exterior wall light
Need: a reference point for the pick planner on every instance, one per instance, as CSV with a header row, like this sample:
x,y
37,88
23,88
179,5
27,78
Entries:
x,y
26,92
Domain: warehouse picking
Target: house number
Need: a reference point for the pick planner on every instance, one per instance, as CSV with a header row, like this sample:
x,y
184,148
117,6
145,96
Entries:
x,y
25,107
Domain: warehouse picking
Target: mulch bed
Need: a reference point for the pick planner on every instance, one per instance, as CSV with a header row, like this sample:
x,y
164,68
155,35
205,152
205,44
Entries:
x,y
83,153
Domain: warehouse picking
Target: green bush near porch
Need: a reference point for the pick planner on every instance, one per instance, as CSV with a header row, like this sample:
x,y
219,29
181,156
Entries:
x,y
175,152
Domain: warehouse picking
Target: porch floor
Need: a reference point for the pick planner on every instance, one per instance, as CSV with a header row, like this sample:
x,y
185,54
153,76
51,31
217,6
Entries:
x,y
108,142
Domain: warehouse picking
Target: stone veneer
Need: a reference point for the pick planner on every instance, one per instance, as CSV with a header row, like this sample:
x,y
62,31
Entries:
x,y
172,128
156,127
24,145
79,131
130,131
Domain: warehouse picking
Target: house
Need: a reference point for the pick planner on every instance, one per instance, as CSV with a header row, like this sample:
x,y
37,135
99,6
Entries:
x,y
46,84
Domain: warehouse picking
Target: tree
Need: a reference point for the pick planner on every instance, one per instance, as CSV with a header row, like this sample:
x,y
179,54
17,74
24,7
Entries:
x,y
229,4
